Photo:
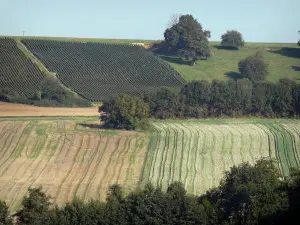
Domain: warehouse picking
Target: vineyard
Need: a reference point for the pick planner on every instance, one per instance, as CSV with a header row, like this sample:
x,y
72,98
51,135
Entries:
x,y
198,153
70,158
66,159
17,72
98,71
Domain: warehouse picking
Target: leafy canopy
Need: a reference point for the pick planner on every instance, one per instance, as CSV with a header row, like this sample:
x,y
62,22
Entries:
x,y
125,112
253,67
35,208
232,39
188,39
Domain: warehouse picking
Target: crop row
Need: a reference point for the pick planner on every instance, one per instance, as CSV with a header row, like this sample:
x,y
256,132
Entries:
x,y
199,154
67,163
99,71
17,72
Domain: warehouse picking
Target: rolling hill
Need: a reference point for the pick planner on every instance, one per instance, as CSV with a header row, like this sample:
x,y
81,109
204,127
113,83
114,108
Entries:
x,y
99,71
71,158
100,68
283,60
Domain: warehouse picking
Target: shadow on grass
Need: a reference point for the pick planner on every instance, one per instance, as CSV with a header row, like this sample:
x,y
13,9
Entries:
x,y
174,59
220,47
93,126
289,52
234,75
296,68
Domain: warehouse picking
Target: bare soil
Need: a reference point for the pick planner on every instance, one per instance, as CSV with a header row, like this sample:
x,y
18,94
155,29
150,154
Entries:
x,y
12,109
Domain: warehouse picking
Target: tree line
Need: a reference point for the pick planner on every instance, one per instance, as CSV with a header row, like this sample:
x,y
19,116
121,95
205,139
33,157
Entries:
x,y
202,99
247,195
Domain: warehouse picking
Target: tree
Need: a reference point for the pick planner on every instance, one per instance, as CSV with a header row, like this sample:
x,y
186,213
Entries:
x,y
299,40
253,67
253,194
125,112
188,39
232,39
35,208
164,103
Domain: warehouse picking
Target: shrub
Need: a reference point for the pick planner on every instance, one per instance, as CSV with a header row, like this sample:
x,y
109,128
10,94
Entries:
x,y
253,67
232,39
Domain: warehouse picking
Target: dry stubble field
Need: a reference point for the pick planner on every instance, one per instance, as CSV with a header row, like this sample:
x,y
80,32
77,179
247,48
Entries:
x,y
66,159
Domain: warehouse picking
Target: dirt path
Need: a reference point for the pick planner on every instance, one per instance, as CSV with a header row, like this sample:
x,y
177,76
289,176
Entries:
x,y
11,109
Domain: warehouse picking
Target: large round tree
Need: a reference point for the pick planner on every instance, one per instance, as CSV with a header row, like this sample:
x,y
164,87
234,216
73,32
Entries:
x,y
232,39
188,39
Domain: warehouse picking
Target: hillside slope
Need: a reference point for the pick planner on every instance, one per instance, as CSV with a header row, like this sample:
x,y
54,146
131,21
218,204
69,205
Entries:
x,y
99,71
17,72
283,60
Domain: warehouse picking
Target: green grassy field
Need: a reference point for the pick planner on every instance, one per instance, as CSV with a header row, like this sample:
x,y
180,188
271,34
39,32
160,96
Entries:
x,y
198,152
283,60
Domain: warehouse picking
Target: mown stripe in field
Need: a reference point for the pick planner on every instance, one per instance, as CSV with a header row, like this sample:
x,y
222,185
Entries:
x,y
78,168
111,176
174,155
125,173
168,157
75,146
188,150
101,186
164,157
280,148
30,176
154,138
100,150
155,170
93,147
294,134
294,129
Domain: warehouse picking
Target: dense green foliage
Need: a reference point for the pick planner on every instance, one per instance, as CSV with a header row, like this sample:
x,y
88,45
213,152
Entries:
x,y
188,39
247,195
124,112
254,67
251,194
232,39
99,71
52,93
4,214
35,208
200,99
